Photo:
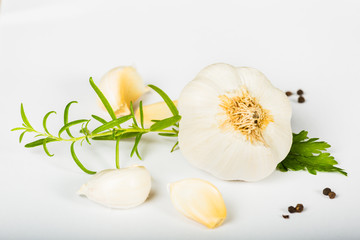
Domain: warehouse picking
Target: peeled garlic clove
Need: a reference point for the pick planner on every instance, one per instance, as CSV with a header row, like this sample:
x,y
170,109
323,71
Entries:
x,y
199,200
121,86
234,123
118,188
155,111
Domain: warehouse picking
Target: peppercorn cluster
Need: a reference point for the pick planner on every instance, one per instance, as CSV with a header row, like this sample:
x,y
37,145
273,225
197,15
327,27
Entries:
x,y
300,94
299,208
327,192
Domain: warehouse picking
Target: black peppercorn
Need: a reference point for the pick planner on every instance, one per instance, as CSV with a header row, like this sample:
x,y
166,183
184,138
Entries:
x,y
332,195
326,191
291,209
288,93
300,92
301,99
299,207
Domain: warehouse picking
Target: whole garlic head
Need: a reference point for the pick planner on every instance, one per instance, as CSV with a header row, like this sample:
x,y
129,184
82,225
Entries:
x,y
235,124
118,188
121,86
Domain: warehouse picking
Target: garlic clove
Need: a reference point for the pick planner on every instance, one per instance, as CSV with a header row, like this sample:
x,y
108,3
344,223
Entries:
x,y
198,200
118,188
155,111
121,86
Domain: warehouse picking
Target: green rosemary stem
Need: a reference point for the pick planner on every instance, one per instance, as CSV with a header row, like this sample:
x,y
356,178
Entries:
x,y
103,134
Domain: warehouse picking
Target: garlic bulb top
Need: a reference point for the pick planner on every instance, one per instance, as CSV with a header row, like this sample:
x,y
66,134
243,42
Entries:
x,y
121,86
235,124
118,188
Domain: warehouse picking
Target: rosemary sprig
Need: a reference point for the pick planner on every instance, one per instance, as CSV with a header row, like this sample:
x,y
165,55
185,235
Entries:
x,y
108,130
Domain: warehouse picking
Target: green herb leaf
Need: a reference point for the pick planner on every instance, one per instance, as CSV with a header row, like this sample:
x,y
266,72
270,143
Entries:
x,y
18,129
138,154
24,118
39,142
87,140
167,100
125,135
111,124
45,119
84,129
103,138
46,149
121,136
309,154
117,160
133,115
165,123
134,149
21,136
174,147
77,161
70,124
103,121
103,99
141,114
66,116
168,134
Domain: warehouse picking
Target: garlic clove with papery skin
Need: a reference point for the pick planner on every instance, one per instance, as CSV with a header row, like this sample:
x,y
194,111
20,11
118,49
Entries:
x,y
155,111
121,86
235,124
118,188
198,200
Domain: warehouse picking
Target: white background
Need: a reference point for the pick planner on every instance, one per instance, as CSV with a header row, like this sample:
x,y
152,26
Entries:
x,y
49,49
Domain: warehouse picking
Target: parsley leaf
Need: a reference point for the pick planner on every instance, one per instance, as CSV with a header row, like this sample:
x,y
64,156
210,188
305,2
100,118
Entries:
x,y
309,154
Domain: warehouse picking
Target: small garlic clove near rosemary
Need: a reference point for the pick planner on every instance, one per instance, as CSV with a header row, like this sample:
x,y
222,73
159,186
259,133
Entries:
x,y
121,86
118,188
235,124
198,200
155,111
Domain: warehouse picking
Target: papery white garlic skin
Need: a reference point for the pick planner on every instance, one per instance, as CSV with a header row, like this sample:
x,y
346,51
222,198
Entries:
x,y
118,188
209,144
121,86
199,200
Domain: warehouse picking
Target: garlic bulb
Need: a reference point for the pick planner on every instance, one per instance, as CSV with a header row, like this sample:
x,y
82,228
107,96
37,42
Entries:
x,y
118,188
121,86
155,111
235,124
198,200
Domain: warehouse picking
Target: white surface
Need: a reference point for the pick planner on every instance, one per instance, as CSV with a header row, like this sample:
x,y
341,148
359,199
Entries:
x,y
49,49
